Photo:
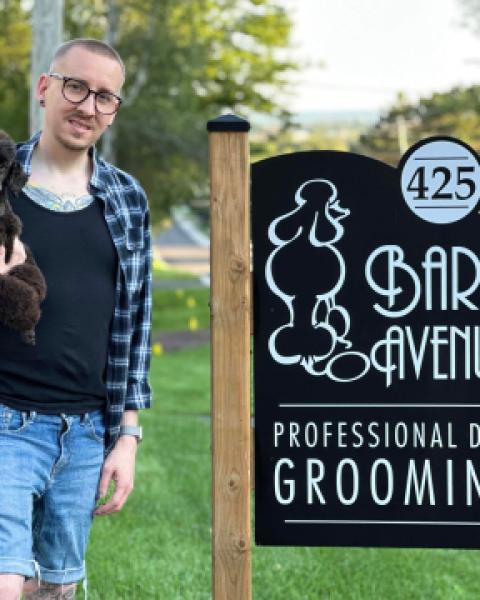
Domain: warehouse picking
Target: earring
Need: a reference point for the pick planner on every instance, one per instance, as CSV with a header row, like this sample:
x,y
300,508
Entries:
x,y
42,102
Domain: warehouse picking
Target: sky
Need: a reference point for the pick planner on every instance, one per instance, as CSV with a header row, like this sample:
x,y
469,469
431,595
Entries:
x,y
373,49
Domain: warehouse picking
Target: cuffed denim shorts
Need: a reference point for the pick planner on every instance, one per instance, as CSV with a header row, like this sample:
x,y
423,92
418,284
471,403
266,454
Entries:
x,y
49,473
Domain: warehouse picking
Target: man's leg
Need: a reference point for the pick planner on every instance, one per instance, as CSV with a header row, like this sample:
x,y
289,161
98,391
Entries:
x,y
10,586
48,591
20,466
63,515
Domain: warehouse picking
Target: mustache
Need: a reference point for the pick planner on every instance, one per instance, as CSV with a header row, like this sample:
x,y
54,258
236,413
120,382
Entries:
x,y
81,118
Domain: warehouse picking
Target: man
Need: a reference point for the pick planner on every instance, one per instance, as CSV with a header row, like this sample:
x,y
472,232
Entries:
x,y
68,406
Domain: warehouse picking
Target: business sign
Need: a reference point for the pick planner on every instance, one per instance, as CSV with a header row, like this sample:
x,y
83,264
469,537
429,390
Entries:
x,y
367,348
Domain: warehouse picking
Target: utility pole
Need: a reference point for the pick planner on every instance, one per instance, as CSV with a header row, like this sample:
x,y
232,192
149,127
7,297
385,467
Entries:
x,y
402,134
111,32
47,34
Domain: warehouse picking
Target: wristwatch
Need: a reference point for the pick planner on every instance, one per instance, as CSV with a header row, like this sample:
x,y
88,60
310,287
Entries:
x,y
132,430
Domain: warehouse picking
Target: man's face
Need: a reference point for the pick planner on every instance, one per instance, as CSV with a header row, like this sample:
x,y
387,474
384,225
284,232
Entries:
x,y
79,126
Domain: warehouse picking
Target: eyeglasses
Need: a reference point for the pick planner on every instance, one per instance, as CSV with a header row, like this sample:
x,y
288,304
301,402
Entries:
x,y
76,92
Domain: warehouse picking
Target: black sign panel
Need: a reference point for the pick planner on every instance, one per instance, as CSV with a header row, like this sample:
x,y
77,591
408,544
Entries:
x,y
367,348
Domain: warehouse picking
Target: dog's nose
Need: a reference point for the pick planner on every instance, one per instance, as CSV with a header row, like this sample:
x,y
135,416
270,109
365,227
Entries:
x,y
338,211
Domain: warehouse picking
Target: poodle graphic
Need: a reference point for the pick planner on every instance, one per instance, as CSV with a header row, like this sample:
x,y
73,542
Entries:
x,y
306,237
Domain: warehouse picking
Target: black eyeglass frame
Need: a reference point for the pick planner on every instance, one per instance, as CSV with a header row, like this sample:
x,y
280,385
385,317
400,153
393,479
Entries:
x,y
66,79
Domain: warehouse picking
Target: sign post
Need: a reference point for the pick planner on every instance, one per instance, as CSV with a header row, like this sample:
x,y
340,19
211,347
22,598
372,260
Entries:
x,y
230,329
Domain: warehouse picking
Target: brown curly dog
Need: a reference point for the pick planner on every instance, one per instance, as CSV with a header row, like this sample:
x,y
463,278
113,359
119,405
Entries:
x,y
23,287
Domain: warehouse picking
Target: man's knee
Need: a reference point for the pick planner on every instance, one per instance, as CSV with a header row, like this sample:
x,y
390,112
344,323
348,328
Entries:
x,y
30,585
48,591
10,586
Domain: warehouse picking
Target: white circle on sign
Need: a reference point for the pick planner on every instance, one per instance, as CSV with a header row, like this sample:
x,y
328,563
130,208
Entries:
x,y
440,179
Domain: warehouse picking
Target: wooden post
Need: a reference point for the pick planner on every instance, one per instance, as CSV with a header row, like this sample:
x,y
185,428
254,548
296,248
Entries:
x,y
230,328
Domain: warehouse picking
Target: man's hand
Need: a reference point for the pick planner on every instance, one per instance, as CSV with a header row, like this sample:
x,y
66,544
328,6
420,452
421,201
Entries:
x,y
18,256
119,467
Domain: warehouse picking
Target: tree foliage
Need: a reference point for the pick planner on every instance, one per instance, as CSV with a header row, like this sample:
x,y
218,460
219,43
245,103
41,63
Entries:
x,y
454,113
186,61
318,136
15,43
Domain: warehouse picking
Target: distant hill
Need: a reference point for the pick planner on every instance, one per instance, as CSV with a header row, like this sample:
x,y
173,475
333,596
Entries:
x,y
311,117
365,117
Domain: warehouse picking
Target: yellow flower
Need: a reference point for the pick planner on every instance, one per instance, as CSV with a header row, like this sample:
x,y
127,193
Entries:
x,y
191,302
157,349
159,265
193,323
179,293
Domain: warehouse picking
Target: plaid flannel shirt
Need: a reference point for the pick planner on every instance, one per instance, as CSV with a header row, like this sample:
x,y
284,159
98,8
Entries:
x,y
127,217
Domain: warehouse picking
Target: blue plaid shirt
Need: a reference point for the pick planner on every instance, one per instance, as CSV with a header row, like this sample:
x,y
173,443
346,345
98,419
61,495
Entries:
x,y
127,217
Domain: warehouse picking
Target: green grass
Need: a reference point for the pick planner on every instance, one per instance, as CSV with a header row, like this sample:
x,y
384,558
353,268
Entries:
x,y
158,547
174,310
166,274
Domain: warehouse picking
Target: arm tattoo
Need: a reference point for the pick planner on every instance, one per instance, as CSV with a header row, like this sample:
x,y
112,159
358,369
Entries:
x,y
52,591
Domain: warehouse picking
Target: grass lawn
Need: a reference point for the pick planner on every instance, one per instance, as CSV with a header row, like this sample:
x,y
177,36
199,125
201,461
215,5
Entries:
x,y
162,272
180,310
159,545
167,274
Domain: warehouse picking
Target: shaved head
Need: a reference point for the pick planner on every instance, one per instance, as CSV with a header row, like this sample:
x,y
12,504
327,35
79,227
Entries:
x,y
95,46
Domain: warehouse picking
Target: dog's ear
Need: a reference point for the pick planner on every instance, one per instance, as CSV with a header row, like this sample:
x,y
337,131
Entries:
x,y
7,160
7,150
16,178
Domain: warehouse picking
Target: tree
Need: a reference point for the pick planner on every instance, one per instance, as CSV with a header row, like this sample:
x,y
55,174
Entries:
x,y
15,44
453,113
272,141
186,61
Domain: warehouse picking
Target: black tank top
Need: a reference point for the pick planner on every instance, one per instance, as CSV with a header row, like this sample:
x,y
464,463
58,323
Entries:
x,y
65,371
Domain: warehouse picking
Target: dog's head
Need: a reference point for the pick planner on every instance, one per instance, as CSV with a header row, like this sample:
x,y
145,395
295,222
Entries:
x,y
12,175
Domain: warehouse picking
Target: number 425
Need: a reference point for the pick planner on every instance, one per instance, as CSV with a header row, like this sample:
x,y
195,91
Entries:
x,y
417,184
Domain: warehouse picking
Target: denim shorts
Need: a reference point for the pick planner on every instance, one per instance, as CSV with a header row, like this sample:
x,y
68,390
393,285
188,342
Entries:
x,y
49,473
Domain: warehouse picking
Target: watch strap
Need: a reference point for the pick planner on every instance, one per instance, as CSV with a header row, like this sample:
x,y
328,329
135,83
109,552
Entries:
x,y
133,430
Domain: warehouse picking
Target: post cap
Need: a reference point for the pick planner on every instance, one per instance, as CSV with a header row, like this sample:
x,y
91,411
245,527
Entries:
x,y
228,122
